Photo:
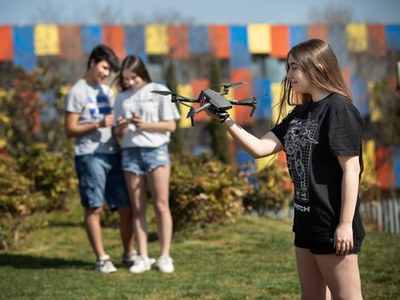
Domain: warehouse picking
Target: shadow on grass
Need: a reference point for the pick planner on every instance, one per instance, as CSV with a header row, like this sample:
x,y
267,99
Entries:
x,y
152,237
19,261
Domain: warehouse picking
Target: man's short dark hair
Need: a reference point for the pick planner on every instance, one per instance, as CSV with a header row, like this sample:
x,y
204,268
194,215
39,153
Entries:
x,y
103,52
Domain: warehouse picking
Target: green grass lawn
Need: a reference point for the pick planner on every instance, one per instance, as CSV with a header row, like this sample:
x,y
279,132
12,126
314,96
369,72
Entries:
x,y
252,258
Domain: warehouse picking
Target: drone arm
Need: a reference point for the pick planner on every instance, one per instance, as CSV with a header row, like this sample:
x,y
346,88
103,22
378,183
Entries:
x,y
201,108
184,99
245,102
192,112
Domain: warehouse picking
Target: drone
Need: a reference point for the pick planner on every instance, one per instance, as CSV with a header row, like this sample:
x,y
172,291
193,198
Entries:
x,y
214,101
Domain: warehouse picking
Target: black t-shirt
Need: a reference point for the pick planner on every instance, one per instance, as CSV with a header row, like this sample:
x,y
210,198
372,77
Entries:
x,y
313,136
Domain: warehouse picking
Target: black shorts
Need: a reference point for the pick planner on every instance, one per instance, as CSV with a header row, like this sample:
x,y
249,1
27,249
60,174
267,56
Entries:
x,y
322,245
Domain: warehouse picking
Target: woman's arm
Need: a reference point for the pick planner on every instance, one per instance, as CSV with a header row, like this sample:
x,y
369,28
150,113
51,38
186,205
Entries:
x,y
122,125
161,126
350,183
256,147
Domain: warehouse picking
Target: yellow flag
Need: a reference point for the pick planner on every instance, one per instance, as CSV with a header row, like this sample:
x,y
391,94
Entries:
x,y
369,160
156,39
259,38
47,40
262,163
357,37
186,91
276,88
374,108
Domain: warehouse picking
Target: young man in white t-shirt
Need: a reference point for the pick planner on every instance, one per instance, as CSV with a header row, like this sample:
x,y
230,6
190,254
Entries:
x,y
89,119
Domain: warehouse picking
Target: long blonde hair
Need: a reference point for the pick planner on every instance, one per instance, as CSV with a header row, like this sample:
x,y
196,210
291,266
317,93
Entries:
x,y
318,61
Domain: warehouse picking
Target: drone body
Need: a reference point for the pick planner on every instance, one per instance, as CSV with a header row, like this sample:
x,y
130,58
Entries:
x,y
214,101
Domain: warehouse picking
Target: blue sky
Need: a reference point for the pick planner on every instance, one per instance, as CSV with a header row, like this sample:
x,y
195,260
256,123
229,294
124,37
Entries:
x,y
23,12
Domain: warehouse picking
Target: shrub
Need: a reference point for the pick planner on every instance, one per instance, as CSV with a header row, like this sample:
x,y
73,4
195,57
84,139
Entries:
x,y
204,190
51,173
369,190
273,193
18,199
37,182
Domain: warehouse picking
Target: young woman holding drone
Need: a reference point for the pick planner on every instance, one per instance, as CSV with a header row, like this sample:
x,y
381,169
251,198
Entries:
x,y
322,139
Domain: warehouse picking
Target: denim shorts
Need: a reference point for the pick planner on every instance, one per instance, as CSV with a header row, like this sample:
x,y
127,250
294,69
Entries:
x,y
100,177
143,160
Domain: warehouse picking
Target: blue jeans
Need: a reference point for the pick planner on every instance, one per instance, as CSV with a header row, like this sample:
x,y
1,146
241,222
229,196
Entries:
x,y
101,177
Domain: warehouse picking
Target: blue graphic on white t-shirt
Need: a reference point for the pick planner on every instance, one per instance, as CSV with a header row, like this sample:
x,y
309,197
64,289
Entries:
x,y
98,106
103,104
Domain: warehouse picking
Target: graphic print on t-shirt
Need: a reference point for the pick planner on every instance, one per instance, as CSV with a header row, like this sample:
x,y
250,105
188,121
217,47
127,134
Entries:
x,y
98,105
297,142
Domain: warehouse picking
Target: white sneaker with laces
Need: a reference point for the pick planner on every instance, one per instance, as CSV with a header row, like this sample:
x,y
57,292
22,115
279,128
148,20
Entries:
x,y
104,265
129,260
165,264
142,264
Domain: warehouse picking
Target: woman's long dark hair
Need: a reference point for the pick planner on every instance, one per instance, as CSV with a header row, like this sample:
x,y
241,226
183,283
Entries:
x,y
318,61
135,65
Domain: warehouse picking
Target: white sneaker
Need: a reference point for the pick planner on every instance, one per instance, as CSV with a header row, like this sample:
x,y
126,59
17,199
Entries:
x,y
104,265
142,264
129,260
165,264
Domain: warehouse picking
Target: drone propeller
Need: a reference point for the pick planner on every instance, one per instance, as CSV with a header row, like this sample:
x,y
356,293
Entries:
x,y
175,97
164,93
226,86
235,84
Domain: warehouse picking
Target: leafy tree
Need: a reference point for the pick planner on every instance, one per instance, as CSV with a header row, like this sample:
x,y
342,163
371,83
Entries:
x,y
387,101
177,144
219,137
26,118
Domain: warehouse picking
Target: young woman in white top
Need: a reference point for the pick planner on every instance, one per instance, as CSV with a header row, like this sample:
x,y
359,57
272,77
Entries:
x,y
145,121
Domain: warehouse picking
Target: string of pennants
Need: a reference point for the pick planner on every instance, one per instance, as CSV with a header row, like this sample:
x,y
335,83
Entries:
x,y
23,44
